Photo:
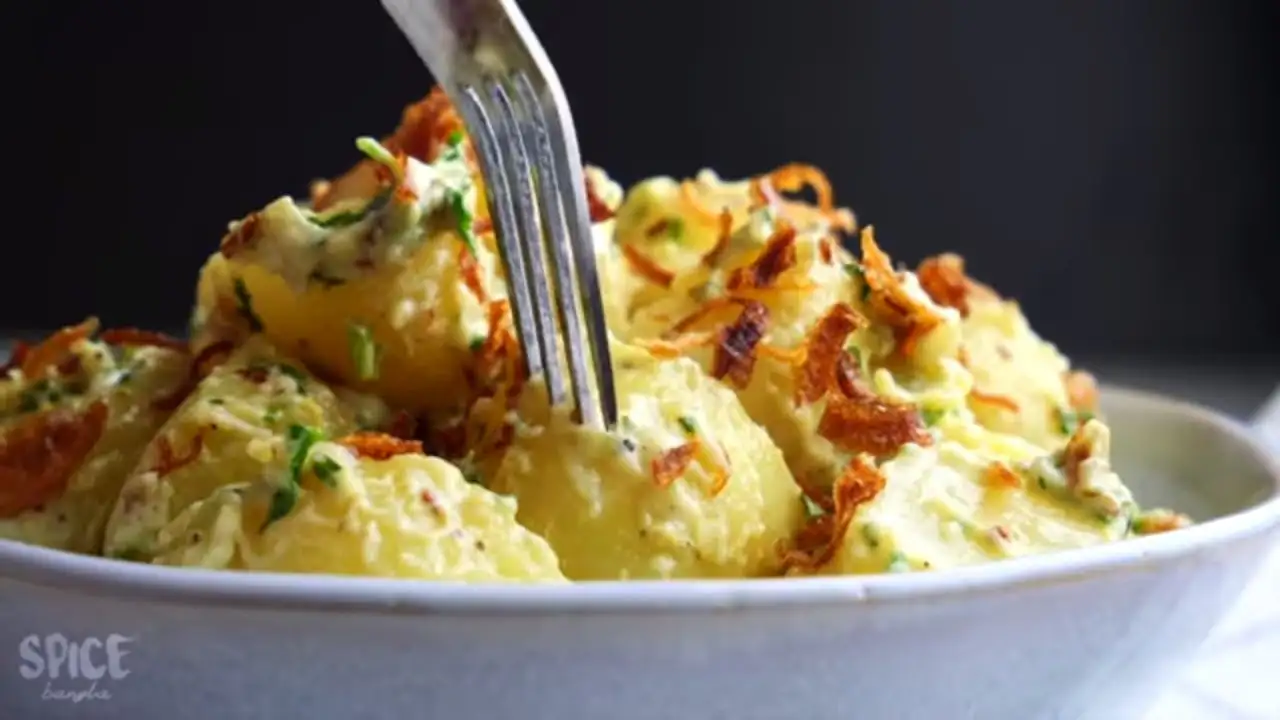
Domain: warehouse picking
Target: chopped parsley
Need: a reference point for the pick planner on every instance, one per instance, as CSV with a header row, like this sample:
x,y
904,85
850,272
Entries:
x,y
688,425
464,218
365,352
675,229
898,562
811,508
476,343
374,150
454,150
293,372
299,440
1070,420
244,305
282,502
346,218
871,534
856,272
326,470
931,416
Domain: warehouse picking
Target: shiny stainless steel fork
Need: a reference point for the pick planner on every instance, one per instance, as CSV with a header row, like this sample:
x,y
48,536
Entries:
x,y
486,57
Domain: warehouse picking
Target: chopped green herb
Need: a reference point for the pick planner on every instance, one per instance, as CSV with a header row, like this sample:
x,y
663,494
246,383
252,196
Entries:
x,y
282,502
856,272
898,562
293,372
379,154
132,554
365,352
217,401
326,470
454,150
675,229
466,222
299,439
871,534
29,402
931,416
1043,485
244,305
690,427
271,416
811,508
476,343
1070,420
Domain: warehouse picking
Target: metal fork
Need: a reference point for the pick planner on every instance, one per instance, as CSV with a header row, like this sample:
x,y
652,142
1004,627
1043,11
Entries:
x,y
487,59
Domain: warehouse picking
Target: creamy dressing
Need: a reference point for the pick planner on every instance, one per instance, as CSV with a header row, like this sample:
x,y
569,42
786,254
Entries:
x,y
358,235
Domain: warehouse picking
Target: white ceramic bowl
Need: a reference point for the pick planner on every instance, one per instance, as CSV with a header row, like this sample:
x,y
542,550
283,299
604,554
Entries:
x,y
1085,634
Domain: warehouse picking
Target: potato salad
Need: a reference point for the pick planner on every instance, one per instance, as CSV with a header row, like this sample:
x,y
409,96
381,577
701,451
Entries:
x,y
352,398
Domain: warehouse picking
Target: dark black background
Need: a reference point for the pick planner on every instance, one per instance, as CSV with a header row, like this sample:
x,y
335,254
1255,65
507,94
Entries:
x,y
1112,164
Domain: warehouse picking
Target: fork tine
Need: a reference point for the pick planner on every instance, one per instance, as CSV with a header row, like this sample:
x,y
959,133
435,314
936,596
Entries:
x,y
502,210
560,251
520,183
573,253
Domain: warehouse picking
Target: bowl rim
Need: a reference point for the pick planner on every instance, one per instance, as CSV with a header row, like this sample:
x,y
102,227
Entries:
x,y
122,580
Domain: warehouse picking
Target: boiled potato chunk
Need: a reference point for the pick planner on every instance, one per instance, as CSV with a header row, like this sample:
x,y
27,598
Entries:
x,y
421,319
686,487
232,431
1009,360
410,516
945,506
71,431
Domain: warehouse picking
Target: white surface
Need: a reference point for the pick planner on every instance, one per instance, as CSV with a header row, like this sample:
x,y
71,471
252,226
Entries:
x,y
1090,635
1234,675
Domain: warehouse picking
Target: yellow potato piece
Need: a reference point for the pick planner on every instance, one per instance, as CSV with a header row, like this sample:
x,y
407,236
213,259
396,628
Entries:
x,y
940,510
129,382
595,497
1007,358
410,516
241,414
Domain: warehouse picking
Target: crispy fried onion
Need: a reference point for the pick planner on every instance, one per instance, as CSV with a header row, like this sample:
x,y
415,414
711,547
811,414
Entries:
x,y
135,337
469,268
55,349
793,178
889,299
1082,390
944,280
1002,402
866,423
822,368
671,464
645,266
735,353
241,237
168,461
41,452
820,539
201,365
999,475
1072,456
424,131
778,256
597,208
712,256
379,446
